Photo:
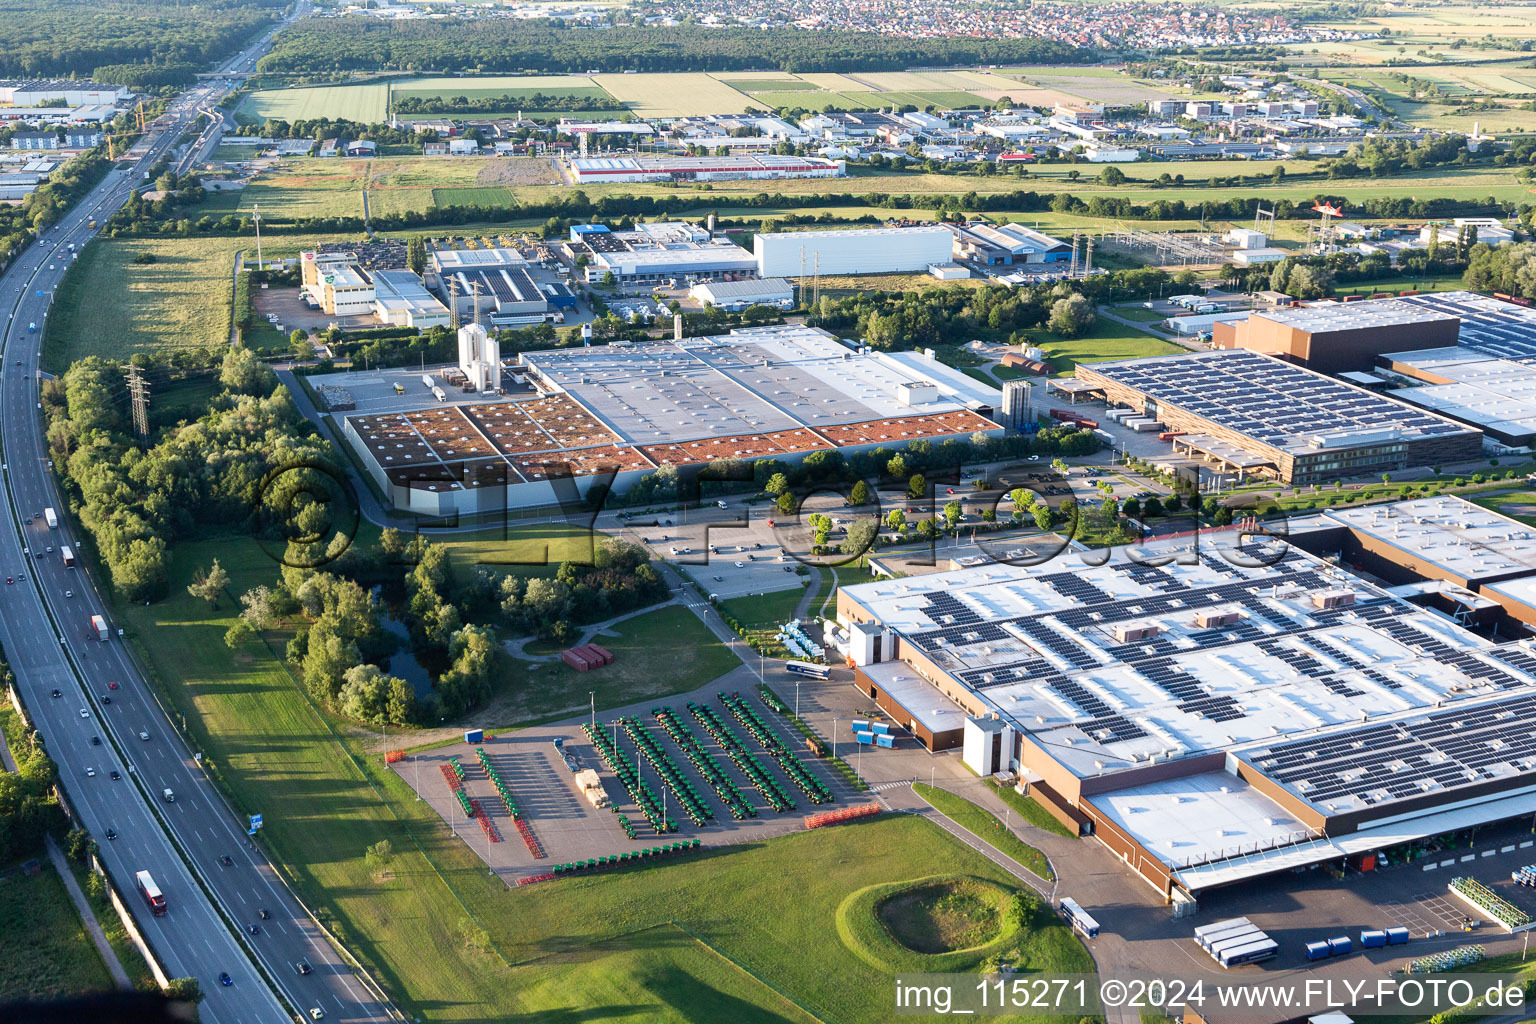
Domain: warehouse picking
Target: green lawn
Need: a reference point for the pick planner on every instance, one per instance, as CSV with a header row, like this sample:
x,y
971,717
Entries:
x,y
986,826
1106,340
490,195
684,941
109,305
45,952
1140,314
1031,811
771,609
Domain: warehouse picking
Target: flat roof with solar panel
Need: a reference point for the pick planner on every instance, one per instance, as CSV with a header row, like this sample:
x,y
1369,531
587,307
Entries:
x,y
1236,706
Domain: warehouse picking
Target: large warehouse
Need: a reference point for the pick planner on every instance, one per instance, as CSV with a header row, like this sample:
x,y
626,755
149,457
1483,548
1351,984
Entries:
x,y
654,255
1261,416
1340,336
736,167
1211,715
852,251
769,392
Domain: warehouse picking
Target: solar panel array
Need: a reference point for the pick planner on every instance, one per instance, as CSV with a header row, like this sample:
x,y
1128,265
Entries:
x,y
1379,764
1270,401
1488,325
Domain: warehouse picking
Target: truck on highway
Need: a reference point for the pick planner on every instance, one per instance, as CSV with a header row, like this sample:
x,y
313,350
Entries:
x,y
52,517
99,624
151,893
69,555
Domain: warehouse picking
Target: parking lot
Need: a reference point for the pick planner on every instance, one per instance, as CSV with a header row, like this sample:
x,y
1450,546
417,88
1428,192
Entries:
x,y
730,552
569,828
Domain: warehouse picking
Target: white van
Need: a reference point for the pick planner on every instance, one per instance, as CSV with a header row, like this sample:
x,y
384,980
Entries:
x,y
170,797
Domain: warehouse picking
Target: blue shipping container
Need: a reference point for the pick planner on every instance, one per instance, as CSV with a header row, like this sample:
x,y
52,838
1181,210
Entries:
x,y
864,737
882,740
1319,951
1397,936
1370,940
474,735
880,727
1341,945
860,725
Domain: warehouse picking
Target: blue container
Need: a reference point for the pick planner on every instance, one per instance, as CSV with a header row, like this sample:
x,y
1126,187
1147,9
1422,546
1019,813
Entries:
x,y
1397,936
864,737
860,725
880,727
474,735
882,740
1341,945
1371,940
1319,951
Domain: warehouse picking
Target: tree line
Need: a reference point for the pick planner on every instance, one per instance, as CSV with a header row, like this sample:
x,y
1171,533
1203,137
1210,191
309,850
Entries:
x,y
495,104
79,38
504,46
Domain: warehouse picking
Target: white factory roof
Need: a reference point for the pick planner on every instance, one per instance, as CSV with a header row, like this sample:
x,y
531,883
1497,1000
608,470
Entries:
x,y
923,702
751,381
848,234
1200,818
953,384
1350,316
1495,394
1039,643
402,291
1462,539
737,291
472,259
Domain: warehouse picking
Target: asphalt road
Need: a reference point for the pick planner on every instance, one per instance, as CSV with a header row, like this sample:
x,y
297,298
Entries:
x,y
45,627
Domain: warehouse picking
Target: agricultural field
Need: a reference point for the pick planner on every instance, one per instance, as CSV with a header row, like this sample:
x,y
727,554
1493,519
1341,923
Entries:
x,y
332,187
501,85
366,103
491,195
685,941
676,95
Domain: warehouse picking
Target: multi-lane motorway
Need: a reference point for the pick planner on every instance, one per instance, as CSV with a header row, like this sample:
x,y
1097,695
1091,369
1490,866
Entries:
x,y
116,751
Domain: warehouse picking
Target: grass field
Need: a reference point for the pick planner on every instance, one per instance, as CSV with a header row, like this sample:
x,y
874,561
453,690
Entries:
x,y
686,941
676,95
494,195
315,187
366,103
1106,340
48,954
987,827
111,306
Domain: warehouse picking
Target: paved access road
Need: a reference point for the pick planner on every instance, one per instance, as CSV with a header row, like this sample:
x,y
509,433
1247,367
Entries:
x,y
45,625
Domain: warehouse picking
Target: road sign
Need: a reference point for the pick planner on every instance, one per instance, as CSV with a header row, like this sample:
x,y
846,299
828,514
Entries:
x,y
255,824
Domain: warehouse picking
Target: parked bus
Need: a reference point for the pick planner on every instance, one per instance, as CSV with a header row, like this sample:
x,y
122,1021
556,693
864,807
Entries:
x,y
151,893
806,668
1079,918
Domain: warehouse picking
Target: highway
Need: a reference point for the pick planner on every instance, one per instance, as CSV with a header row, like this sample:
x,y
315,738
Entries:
x,y
105,718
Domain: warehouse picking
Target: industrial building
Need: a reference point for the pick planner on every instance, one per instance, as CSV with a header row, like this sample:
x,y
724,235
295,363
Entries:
x,y
58,138
1213,713
852,251
612,414
1260,416
737,295
1332,337
736,167
70,93
401,300
656,255
1007,245
504,296
336,282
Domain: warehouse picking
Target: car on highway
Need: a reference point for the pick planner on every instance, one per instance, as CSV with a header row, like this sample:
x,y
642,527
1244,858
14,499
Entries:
x,y
105,699
315,1013
111,833
56,693
143,735
112,685
303,967
115,775
95,741
254,929
10,579
225,979
227,861
264,913
69,593
90,773
85,712
741,565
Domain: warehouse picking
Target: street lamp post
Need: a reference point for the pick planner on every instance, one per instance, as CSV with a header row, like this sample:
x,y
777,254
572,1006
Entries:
x,y
834,739
797,696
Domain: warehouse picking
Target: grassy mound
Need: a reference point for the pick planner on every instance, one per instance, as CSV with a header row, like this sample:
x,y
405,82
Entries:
x,y
943,917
